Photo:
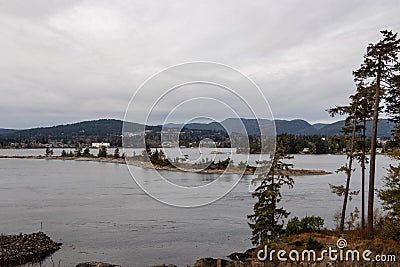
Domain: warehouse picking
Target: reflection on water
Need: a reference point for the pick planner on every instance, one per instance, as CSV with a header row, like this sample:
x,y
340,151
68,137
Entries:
x,y
98,212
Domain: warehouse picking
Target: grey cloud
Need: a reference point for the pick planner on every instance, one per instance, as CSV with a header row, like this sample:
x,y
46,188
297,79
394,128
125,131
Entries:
x,y
65,61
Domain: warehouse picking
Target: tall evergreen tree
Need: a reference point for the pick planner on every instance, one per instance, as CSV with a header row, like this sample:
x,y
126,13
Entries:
x,y
390,193
393,104
378,68
358,112
349,128
268,219
364,96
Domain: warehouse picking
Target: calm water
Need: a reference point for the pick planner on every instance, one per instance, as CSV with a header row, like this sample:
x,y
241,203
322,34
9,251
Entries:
x,y
98,213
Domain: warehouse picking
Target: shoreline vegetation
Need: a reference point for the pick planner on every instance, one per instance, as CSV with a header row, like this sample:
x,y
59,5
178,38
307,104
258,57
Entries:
x,y
212,169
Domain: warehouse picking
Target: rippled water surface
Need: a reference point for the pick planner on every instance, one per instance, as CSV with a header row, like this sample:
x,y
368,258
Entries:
x,y
98,212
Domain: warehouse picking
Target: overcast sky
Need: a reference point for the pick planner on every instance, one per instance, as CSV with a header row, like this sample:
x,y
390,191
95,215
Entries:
x,y
67,61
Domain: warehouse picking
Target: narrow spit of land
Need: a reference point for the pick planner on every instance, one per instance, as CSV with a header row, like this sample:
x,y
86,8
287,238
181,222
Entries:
x,y
250,170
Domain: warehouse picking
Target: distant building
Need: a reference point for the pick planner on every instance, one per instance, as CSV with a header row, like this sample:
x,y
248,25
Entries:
x,y
98,145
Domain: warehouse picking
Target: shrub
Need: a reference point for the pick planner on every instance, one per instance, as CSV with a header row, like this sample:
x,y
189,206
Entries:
x,y
293,226
311,224
313,244
307,224
102,152
391,229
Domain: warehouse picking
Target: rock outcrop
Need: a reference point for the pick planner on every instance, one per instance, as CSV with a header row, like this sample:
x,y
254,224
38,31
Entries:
x,y
23,248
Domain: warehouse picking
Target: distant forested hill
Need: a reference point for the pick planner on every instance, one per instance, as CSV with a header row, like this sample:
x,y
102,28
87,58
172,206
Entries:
x,y
103,127
113,127
385,128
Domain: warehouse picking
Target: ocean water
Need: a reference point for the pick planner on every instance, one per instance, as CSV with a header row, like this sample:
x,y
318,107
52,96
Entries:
x,y
99,213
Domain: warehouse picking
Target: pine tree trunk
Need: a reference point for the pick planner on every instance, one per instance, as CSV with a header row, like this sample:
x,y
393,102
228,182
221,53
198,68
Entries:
x,y
347,189
363,177
371,186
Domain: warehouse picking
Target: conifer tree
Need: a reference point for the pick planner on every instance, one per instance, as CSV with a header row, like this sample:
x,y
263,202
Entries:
x,y
390,193
116,153
86,152
78,151
102,152
49,152
349,128
378,69
364,96
268,219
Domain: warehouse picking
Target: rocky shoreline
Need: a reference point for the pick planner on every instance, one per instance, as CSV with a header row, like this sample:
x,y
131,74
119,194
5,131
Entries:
x,y
300,243
20,249
250,170
24,248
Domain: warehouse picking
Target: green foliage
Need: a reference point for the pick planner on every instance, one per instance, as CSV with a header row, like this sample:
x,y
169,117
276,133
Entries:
x,y
158,158
352,222
393,102
146,153
390,193
298,243
391,229
49,152
339,190
222,164
107,130
242,164
350,130
102,152
305,225
317,144
116,153
293,226
78,152
86,152
311,224
380,71
268,219
313,244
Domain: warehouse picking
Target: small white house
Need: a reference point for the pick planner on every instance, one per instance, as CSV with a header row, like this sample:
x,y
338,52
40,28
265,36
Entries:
x,y
98,145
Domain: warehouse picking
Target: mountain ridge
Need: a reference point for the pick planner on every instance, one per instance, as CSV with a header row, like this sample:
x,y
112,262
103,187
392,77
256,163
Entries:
x,y
109,127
